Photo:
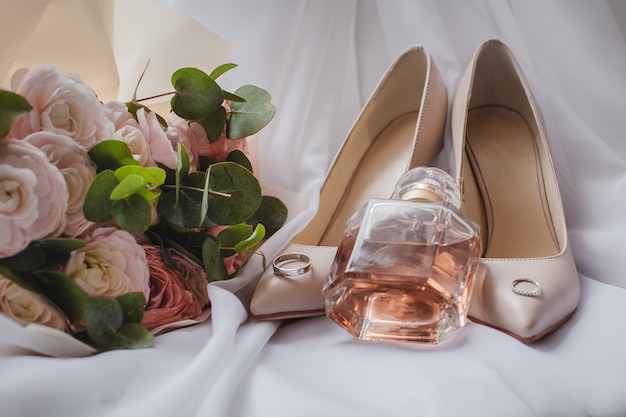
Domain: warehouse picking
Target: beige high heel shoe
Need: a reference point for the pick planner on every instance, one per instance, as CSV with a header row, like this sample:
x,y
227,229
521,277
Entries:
x,y
400,127
530,284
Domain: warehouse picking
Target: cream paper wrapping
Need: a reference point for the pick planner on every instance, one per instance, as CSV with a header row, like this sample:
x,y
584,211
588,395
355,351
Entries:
x,y
108,44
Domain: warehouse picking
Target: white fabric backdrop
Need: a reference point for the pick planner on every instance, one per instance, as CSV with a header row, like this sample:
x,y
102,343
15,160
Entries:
x,y
320,59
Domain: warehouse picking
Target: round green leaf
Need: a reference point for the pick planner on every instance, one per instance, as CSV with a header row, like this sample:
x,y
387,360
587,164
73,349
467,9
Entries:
x,y
149,195
272,213
111,154
151,175
97,205
233,235
213,124
133,213
127,187
104,317
197,94
12,107
183,212
131,336
228,238
251,116
244,190
240,158
213,263
254,239
133,306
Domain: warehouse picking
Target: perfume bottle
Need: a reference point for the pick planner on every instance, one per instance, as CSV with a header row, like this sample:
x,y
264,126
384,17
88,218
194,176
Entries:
x,y
405,266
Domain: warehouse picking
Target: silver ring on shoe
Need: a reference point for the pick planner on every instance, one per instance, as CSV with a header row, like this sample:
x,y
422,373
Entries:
x,y
280,260
526,293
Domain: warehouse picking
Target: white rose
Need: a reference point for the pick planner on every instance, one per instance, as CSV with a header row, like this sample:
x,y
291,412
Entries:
x,y
62,103
127,130
77,169
111,263
26,307
33,196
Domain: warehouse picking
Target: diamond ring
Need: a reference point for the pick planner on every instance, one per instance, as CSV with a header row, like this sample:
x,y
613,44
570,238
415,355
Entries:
x,y
526,287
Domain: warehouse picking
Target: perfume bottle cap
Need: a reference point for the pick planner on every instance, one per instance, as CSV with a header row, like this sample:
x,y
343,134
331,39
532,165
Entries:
x,y
427,183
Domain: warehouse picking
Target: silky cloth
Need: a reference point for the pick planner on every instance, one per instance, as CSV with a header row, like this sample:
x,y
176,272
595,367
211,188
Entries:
x,y
320,60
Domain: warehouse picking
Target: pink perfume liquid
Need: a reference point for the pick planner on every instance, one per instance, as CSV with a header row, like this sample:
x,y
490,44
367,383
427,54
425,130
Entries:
x,y
403,291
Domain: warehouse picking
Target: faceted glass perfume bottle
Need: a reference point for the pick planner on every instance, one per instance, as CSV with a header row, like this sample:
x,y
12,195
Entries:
x,y
405,267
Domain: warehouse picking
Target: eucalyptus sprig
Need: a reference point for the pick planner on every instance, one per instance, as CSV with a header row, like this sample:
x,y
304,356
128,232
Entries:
x,y
187,202
123,190
175,208
197,97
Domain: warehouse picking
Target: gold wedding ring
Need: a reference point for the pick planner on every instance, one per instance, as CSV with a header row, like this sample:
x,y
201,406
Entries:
x,y
286,258
517,287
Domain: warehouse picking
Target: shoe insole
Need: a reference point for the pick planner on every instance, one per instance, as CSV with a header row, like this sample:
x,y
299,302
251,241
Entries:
x,y
504,158
375,176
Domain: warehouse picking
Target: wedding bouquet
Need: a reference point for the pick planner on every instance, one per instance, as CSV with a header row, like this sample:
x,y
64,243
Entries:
x,y
114,219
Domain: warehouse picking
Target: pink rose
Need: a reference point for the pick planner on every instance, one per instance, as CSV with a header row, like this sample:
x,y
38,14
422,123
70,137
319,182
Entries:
x,y
27,307
33,196
159,146
110,264
234,263
193,275
170,299
77,169
145,136
118,114
218,150
62,103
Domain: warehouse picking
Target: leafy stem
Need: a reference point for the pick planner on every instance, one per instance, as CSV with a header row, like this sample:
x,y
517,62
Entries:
x,y
155,96
198,190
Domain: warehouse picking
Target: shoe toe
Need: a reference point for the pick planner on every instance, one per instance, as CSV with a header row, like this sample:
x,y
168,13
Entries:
x,y
548,291
304,291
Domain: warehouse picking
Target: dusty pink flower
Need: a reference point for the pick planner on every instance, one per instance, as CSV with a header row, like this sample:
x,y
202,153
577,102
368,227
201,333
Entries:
x,y
145,136
33,196
193,275
170,298
62,103
110,264
26,307
218,150
126,129
234,263
215,230
77,169
159,146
